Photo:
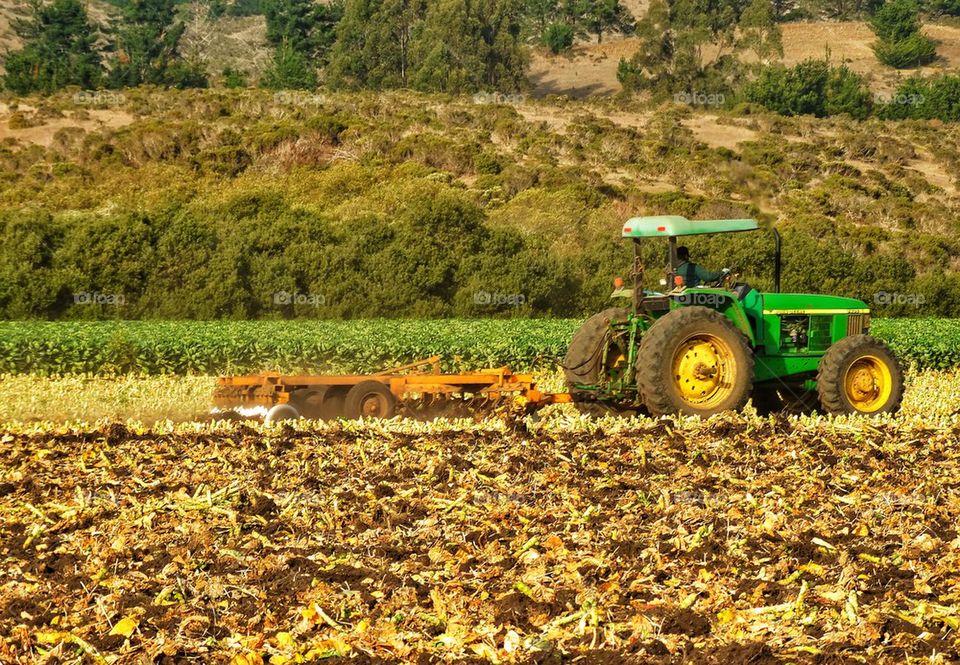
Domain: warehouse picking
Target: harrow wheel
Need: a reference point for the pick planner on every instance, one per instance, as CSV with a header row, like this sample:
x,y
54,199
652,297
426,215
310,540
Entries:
x,y
309,401
280,413
320,403
370,399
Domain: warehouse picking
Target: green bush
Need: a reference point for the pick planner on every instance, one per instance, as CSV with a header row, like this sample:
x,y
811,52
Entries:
x,y
227,161
487,162
925,98
558,37
291,70
235,78
913,51
812,87
901,43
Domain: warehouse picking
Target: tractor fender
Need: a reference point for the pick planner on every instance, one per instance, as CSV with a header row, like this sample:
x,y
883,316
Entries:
x,y
722,301
734,311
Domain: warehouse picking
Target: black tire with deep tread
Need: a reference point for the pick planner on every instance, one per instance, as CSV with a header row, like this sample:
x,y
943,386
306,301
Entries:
x,y
655,357
838,359
581,364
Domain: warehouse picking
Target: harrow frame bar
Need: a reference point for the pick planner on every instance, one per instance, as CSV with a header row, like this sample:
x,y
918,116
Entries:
x,y
271,388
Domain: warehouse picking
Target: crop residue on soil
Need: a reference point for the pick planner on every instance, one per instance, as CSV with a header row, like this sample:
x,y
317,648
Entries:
x,y
727,542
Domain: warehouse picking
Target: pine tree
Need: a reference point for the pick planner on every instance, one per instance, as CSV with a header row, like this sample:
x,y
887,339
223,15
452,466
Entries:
x,y
675,38
303,25
373,42
291,70
147,44
463,47
449,46
57,52
901,44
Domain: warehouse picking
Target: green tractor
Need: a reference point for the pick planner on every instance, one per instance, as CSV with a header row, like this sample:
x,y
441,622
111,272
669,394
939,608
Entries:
x,y
707,349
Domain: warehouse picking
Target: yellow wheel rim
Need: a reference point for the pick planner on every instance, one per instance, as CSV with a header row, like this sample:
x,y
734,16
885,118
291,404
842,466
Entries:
x,y
703,370
868,384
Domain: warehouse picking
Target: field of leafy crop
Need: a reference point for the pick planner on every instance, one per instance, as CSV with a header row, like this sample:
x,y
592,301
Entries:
x,y
362,346
738,540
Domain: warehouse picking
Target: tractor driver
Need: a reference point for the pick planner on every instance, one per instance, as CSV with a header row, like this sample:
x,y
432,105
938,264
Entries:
x,y
691,273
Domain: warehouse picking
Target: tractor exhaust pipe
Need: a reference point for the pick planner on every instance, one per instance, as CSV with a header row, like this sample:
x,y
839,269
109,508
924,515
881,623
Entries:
x,y
776,261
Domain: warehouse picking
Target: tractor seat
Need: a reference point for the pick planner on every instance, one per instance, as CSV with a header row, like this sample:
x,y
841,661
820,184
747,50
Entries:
x,y
741,290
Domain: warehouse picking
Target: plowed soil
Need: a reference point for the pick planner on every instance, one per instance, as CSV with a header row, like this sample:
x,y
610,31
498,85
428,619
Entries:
x,y
728,542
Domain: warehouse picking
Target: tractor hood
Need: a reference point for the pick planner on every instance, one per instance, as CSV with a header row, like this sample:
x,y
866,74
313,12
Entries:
x,y
807,303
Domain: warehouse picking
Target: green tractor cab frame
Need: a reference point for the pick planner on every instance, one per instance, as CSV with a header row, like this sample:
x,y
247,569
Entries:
x,y
703,350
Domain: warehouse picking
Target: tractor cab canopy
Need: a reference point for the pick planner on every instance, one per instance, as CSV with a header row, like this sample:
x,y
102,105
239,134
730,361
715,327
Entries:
x,y
671,226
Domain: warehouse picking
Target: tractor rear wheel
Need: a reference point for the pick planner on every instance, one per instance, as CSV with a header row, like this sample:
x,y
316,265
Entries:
x,y
859,374
695,362
585,358
370,399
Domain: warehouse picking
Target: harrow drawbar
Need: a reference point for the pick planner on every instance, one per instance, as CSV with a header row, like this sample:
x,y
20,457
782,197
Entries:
x,y
419,389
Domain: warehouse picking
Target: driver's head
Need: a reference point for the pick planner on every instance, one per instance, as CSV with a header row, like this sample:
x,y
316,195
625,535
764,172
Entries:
x,y
683,254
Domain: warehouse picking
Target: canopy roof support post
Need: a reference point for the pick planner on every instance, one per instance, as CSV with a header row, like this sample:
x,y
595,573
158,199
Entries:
x,y
776,261
637,273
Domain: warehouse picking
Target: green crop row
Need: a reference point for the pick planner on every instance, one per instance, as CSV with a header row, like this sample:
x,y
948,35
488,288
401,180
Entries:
x,y
922,343
287,346
142,347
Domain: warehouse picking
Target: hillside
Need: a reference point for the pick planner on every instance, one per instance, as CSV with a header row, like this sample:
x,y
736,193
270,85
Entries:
x,y
229,41
100,13
334,191
591,68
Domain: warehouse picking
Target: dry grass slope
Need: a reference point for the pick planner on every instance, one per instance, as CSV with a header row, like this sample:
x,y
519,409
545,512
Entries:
x,y
592,68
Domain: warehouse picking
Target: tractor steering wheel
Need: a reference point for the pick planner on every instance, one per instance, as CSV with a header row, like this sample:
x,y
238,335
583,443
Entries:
x,y
725,277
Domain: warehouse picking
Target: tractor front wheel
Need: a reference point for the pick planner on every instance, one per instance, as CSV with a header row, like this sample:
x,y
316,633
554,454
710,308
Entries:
x,y
695,362
859,374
